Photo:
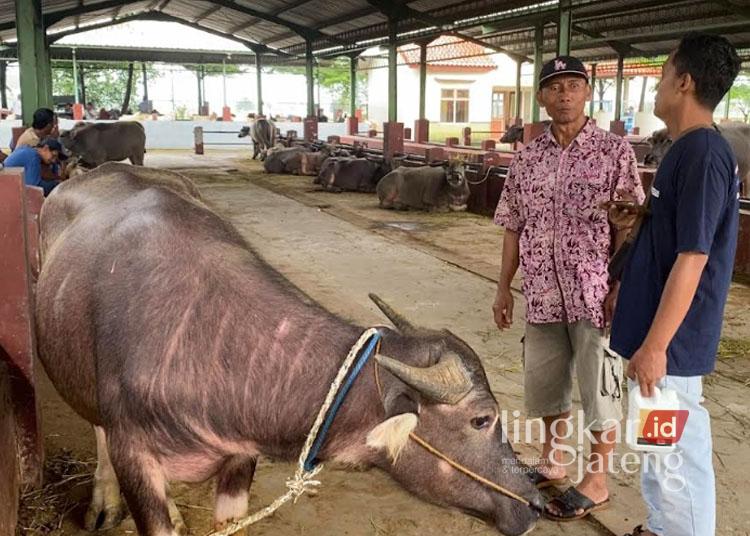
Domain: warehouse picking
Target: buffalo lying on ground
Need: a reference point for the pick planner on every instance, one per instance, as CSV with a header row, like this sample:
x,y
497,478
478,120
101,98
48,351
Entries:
x,y
433,188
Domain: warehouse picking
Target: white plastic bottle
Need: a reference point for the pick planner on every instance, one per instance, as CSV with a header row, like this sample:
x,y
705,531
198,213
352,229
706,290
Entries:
x,y
654,424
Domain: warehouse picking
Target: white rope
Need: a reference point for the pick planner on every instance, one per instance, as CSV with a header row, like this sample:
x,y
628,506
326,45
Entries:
x,y
302,482
486,175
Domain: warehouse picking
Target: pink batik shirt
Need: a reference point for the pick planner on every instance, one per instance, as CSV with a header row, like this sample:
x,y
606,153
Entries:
x,y
551,198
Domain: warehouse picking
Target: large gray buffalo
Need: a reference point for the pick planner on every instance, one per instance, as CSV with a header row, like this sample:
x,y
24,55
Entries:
x,y
432,188
738,136
263,133
192,357
96,143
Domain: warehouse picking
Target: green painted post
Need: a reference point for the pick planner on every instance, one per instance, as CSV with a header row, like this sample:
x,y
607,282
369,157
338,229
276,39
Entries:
x,y
310,81
519,95
75,77
422,80
392,66
3,84
564,22
259,80
593,89
36,71
618,92
538,51
353,86
727,104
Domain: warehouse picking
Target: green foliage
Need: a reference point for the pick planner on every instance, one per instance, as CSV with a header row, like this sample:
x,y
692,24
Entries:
x,y
105,82
181,113
741,99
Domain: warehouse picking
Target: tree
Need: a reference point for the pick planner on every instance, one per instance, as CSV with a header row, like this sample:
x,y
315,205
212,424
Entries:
x,y
602,86
740,94
106,82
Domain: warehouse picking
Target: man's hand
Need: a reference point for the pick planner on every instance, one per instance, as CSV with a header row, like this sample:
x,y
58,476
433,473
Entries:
x,y
647,367
610,303
503,308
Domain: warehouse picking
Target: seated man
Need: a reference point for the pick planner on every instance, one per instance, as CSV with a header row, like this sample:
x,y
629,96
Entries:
x,y
48,151
43,125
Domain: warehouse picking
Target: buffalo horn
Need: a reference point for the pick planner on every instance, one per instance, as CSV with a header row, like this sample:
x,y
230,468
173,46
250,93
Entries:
x,y
447,381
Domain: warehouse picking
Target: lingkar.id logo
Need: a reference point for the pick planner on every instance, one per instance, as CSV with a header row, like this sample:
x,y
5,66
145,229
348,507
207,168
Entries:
x,y
661,427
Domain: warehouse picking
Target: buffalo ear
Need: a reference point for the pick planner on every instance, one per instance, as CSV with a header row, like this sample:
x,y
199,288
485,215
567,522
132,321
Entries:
x,y
392,435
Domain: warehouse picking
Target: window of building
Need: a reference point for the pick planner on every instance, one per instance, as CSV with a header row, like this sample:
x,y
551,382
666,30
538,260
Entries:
x,y
454,106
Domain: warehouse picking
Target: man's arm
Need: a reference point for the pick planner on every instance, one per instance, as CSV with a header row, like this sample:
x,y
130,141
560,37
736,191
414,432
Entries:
x,y
649,364
503,306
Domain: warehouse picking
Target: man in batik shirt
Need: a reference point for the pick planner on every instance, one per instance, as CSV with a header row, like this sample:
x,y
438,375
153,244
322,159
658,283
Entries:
x,y
554,211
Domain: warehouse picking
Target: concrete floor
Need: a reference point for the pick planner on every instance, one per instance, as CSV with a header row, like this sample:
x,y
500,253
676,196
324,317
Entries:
x,y
438,272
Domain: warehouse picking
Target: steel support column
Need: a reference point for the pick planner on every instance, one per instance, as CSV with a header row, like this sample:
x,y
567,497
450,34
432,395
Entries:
x,y
618,84
392,66
310,81
145,81
593,89
519,94
564,23
353,86
33,55
3,84
538,51
422,79
259,80
727,103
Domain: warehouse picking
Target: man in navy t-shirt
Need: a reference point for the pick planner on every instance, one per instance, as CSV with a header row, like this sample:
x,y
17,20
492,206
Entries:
x,y
671,300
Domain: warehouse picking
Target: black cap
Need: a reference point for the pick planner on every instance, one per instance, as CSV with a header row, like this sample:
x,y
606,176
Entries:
x,y
54,145
562,65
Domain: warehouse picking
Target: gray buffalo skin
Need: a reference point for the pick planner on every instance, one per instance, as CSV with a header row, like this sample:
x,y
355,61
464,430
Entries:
x,y
263,134
195,357
97,143
351,174
431,188
736,134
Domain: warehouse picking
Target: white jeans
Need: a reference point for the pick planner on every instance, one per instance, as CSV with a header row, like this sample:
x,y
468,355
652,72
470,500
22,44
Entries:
x,y
679,487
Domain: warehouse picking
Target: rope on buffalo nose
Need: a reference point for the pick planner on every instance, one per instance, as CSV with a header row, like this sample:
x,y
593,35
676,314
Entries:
x,y
302,482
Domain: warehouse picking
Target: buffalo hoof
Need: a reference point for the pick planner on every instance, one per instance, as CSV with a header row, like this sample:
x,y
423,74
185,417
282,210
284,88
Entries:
x,y
103,517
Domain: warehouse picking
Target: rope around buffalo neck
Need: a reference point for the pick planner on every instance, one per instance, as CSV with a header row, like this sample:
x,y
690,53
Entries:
x,y
302,482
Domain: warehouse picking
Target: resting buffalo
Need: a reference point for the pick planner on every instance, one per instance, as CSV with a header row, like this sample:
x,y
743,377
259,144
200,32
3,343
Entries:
x,y
439,188
96,143
351,174
738,136
289,159
192,357
263,133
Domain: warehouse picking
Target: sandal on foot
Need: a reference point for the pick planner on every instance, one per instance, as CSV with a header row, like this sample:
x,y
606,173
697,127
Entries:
x,y
541,481
570,502
637,531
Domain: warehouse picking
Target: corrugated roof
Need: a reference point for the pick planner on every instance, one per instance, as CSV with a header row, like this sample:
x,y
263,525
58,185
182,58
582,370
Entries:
x,y
450,51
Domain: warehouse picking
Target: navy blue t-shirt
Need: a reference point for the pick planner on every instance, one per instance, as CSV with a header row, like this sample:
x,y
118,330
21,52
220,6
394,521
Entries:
x,y
694,208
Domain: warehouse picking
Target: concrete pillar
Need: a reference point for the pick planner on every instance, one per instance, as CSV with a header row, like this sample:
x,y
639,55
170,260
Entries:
x,y
33,56
593,89
538,51
198,74
393,139
564,22
392,82
618,83
76,93
421,131
310,82
519,94
353,86
259,81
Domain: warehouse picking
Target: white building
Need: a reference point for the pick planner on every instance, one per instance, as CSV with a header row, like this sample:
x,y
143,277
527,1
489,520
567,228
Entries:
x,y
465,86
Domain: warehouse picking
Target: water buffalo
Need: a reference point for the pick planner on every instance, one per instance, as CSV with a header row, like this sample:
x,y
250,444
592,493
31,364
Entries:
x,y
289,159
738,136
192,357
514,134
96,143
433,188
263,133
351,174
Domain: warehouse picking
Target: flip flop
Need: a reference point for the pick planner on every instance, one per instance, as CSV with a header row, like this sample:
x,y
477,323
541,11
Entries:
x,y
570,502
637,531
542,482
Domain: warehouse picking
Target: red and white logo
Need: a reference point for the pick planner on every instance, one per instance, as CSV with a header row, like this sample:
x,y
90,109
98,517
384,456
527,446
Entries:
x,y
560,65
662,427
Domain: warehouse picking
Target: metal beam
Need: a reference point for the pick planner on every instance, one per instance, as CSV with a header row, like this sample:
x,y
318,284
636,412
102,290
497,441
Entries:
x,y
351,15
423,79
593,89
511,55
392,70
54,17
353,85
275,12
538,51
743,11
210,11
519,94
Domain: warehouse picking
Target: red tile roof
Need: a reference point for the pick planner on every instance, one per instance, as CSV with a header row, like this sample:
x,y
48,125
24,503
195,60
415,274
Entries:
x,y
450,51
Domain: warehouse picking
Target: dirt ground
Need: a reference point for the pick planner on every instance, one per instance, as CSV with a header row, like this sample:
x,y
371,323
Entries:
x,y
440,271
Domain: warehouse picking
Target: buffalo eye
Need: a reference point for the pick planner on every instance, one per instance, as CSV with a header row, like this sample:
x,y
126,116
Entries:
x,y
479,423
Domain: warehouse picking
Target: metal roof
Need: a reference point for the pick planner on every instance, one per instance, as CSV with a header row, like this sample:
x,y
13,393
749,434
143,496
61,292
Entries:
x,y
602,29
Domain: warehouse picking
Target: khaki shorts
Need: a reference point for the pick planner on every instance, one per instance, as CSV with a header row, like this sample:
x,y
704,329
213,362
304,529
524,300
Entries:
x,y
552,352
